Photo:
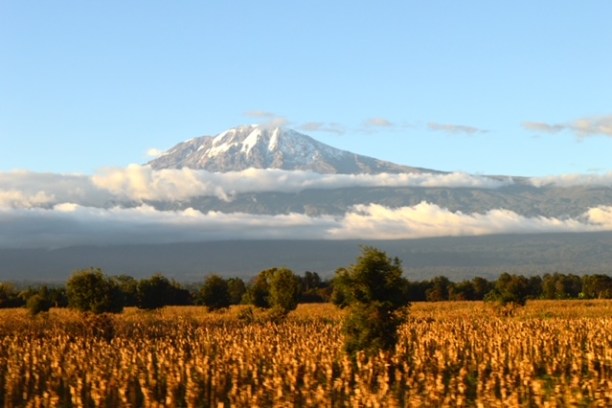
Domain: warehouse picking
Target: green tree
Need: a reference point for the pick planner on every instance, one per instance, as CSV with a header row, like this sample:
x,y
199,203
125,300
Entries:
x,y
314,290
340,287
129,288
561,286
375,293
463,290
510,289
215,293
439,290
236,289
481,287
284,290
89,290
154,293
258,292
597,286
276,287
9,297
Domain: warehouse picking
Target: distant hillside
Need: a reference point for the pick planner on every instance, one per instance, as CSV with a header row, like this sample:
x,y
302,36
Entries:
x,y
522,198
457,258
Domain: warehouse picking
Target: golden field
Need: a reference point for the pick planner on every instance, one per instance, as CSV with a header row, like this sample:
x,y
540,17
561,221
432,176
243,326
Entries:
x,y
549,353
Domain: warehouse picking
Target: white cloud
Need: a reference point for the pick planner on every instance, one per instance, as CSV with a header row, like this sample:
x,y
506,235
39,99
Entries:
x,y
19,199
322,127
573,180
144,183
269,118
454,129
429,220
601,216
260,114
154,153
583,127
42,189
378,122
69,224
600,125
54,210
542,127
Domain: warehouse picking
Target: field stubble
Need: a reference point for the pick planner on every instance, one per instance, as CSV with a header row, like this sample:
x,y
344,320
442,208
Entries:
x,y
550,353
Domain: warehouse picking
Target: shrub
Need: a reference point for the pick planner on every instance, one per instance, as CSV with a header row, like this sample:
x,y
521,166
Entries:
x,y
37,304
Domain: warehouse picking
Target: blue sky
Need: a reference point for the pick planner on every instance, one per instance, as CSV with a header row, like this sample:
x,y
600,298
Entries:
x,y
521,88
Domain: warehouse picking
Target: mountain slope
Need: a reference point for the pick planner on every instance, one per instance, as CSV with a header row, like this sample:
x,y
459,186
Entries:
x,y
270,147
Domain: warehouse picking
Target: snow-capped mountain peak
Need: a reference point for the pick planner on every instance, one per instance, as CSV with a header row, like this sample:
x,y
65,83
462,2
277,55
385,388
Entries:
x,y
255,146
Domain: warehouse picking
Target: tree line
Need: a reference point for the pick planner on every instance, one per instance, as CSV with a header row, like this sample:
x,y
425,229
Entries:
x,y
373,291
280,288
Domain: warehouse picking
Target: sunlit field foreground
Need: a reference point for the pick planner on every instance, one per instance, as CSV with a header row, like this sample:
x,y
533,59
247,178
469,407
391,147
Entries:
x,y
550,353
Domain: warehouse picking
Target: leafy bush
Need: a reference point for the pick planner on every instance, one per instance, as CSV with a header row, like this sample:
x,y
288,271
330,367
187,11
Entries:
x,y
38,304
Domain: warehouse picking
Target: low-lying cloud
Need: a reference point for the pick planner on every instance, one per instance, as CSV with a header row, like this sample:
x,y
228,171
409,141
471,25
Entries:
x,y
142,183
430,220
70,224
574,180
115,207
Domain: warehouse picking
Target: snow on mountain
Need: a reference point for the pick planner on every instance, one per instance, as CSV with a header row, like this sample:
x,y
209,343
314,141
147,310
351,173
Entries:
x,y
269,147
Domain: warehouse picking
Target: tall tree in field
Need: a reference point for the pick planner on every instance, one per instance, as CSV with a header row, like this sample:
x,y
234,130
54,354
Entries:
x,y
375,293
258,292
89,290
154,293
284,290
236,289
215,293
277,288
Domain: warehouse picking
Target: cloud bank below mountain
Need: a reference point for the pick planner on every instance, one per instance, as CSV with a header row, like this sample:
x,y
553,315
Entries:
x,y
70,224
142,183
116,206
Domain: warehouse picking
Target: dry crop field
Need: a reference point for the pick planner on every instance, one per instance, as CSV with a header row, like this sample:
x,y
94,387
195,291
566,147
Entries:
x,y
550,353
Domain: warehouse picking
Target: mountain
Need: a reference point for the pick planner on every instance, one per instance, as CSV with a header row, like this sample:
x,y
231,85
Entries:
x,y
464,200
280,148
264,147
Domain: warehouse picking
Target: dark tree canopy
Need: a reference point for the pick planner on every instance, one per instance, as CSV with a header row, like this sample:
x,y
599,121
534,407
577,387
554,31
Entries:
x,y
129,288
284,290
258,292
89,290
154,293
510,289
236,289
278,288
215,293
